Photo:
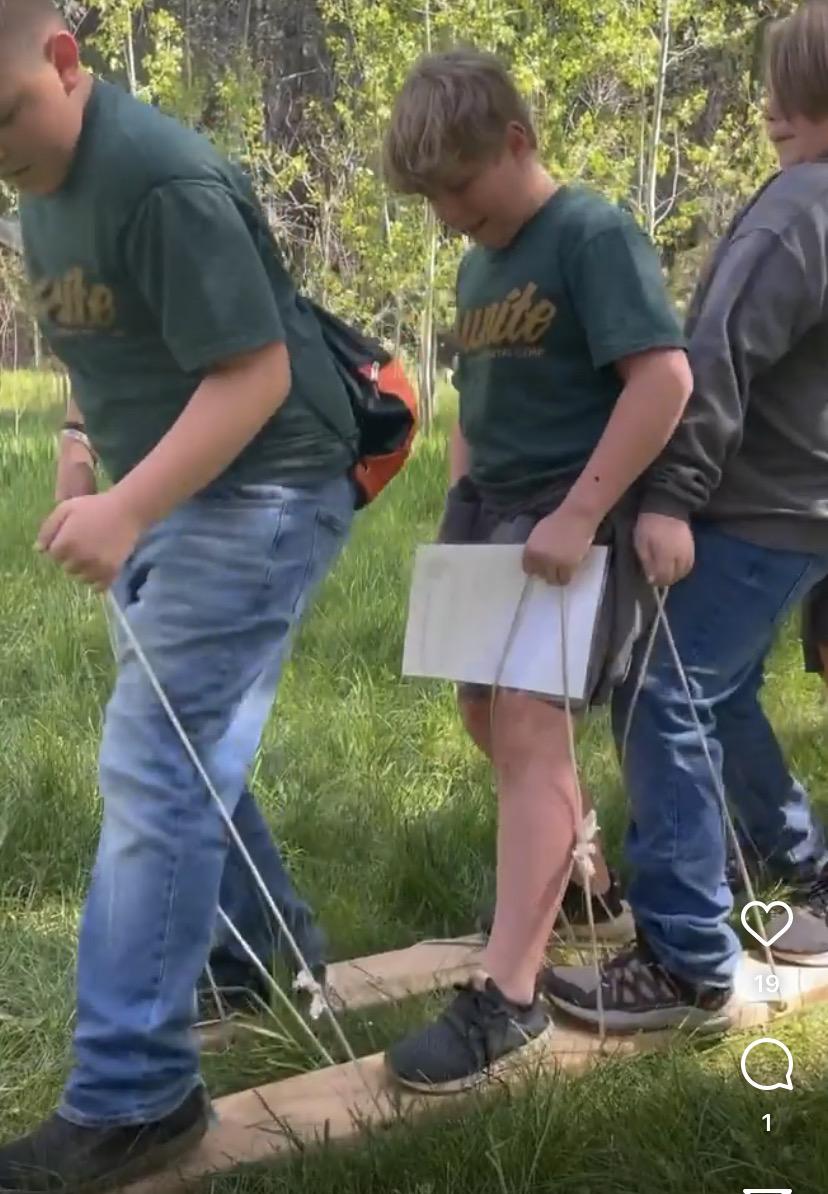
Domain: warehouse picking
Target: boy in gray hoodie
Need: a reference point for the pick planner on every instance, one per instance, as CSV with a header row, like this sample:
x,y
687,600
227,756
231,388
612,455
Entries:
x,y
736,510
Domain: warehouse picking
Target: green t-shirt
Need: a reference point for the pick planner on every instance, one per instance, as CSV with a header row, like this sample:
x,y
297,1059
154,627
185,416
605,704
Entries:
x,y
539,325
152,265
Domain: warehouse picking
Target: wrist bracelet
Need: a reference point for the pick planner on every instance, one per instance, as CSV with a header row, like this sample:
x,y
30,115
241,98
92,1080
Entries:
x,y
76,433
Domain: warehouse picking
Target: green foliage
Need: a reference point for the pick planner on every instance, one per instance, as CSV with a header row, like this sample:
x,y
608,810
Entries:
x,y
669,127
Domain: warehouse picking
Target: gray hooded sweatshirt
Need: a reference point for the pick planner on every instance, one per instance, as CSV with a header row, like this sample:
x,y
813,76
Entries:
x,y
751,453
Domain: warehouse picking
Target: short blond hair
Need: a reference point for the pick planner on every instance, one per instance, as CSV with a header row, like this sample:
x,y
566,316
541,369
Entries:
x,y
798,61
453,112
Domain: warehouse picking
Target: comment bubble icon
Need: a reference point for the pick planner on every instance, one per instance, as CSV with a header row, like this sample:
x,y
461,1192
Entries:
x,y
772,1043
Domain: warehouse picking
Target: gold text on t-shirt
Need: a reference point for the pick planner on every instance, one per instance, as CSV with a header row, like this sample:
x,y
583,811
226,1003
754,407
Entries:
x,y
72,302
520,319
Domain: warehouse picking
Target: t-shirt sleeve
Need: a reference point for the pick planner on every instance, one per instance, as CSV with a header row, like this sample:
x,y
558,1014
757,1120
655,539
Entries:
x,y
197,266
620,295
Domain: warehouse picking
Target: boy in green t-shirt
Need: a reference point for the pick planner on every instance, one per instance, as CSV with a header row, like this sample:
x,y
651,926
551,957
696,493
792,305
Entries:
x,y
572,377
205,387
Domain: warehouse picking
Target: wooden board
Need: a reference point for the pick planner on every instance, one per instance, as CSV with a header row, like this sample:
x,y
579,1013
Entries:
x,y
390,977
338,1103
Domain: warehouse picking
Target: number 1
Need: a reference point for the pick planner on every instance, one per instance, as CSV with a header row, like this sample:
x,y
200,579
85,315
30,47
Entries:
x,y
767,1120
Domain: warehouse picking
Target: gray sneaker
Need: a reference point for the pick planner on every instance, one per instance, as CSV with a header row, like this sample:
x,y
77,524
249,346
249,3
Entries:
x,y
638,994
479,1035
806,942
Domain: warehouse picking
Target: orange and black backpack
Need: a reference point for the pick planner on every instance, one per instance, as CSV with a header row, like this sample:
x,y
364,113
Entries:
x,y
382,399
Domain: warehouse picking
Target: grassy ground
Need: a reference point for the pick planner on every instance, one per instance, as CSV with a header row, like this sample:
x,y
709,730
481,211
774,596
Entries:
x,y
387,818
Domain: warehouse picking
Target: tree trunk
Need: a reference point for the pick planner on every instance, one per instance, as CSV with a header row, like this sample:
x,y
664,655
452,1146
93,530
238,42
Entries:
x,y
129,56
651,199
427,370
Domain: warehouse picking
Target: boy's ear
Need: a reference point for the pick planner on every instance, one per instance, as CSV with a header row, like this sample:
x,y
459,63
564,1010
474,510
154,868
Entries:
x,y
63,53
517,140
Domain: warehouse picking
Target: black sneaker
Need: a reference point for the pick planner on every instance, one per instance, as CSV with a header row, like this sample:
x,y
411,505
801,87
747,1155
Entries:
x,y
66,1159
638,995
614,924
478,1035
805,943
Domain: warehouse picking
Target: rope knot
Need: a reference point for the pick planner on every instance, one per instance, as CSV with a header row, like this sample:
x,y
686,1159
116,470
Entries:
x,y
586,847
305,983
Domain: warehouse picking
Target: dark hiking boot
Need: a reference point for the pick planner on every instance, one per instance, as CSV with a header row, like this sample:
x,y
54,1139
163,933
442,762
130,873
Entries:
x,y
638,994
61,1158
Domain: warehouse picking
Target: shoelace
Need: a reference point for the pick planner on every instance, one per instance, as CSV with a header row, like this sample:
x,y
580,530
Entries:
x,y
625,959
480,1008
637,971
818,895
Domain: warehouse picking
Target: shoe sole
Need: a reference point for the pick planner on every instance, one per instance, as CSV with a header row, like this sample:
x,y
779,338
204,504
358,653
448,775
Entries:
x,y
627,1023
513,1060
164,1155
783,955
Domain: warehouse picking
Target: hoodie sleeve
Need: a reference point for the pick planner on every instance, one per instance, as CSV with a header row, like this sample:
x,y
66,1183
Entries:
x,y
768,290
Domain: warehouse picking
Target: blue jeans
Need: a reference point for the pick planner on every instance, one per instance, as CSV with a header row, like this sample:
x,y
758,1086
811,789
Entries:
x,y
241,899
723,618
213,595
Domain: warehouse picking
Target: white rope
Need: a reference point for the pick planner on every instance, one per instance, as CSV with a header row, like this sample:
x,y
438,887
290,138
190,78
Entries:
x,y
661,596
236,838
214,991
661,620
268,977
639,685
585,847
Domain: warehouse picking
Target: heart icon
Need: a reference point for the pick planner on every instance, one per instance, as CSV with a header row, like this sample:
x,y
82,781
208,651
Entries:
x,y
766,908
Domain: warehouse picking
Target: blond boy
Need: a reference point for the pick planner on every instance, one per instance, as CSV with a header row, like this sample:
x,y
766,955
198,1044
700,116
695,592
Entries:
x,y
572,377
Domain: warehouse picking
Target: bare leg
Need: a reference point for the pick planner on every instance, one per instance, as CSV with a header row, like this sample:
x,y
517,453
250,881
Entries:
x,y
538,816
476,714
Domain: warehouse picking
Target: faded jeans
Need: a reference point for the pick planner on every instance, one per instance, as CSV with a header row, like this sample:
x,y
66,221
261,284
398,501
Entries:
x,y
213,594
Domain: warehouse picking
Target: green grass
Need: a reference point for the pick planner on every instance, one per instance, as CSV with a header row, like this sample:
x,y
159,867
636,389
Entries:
x,y
388,822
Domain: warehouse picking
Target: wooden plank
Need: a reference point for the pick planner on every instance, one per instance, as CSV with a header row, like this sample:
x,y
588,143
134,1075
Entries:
x,y
337,1104
390,977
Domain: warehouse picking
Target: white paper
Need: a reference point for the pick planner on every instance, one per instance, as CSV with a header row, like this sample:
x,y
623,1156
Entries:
x,y
468,601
